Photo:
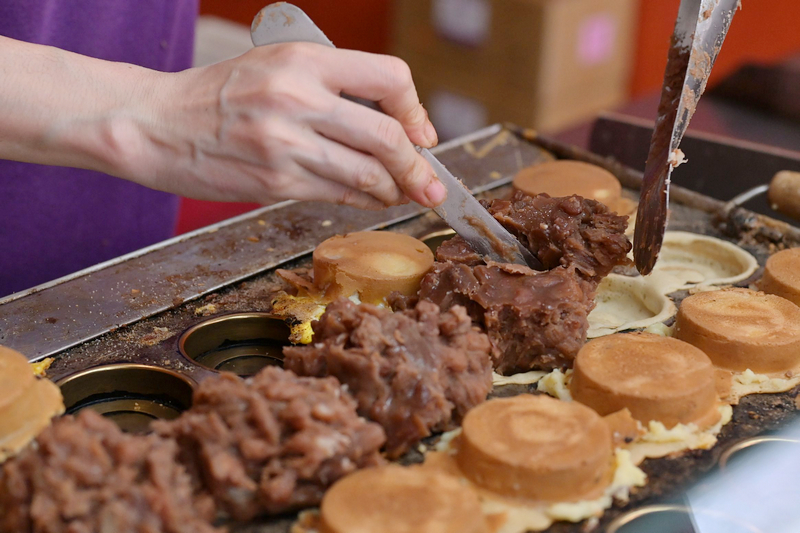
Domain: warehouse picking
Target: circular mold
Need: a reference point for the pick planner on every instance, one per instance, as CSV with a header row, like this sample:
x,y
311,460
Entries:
x,y
435,239
741,448
625,302
241,343
131,395
694,260
673,519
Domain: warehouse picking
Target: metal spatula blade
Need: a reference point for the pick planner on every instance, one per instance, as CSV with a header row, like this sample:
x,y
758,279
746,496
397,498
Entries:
x,y
700,30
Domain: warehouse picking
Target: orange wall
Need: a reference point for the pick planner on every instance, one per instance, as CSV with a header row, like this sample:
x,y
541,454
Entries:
x,y
763,30
356,24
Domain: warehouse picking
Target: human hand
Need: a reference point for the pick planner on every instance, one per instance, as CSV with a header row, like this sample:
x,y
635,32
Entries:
x,y
266,126
271,125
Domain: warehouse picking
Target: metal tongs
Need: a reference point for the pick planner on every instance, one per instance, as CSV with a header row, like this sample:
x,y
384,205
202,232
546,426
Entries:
x,y
700,30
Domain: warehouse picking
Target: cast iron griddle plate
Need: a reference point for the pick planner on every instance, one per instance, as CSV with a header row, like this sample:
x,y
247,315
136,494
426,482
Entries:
x,y
153,340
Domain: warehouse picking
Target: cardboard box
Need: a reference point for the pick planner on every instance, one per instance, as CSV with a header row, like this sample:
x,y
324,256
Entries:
x,y
540,63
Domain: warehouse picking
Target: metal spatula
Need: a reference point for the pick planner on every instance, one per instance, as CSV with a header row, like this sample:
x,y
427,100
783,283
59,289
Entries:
x,y
282,23
700,30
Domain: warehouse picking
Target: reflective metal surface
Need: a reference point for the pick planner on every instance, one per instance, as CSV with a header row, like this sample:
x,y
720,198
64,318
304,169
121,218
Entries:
x,y
676,519
241,343
129,394
743,446
435,239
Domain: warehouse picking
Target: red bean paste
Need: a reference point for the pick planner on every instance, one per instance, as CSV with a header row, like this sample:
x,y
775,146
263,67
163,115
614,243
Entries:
x,y
84,475
272,443
414,372
535,320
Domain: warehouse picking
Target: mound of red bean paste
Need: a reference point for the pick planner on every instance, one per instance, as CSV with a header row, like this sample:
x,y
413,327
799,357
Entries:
x,y
83,474
272,443
535,320
415,372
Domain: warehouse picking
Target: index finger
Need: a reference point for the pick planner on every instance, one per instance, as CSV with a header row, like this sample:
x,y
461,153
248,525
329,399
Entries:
x,y
383,79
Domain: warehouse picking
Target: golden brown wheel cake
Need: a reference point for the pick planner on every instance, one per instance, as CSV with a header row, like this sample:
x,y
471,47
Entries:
x,y
741,329
782,275
367,267
393,499
371,265
654,377
565,178
537,448
27,403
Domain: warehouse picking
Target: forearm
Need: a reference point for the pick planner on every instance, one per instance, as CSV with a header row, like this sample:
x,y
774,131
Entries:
x,y
60,108
269,125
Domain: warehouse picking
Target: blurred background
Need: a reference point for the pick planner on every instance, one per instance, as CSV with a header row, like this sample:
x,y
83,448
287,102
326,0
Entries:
x,y
552,65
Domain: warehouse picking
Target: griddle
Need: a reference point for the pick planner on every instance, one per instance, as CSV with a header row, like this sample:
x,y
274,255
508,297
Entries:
x,y
133,312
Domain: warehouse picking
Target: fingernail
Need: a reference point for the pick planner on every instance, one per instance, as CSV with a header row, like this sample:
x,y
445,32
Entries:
x,y
435,192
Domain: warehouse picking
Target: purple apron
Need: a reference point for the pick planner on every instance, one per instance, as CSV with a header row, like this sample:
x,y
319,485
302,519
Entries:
x,y
54,220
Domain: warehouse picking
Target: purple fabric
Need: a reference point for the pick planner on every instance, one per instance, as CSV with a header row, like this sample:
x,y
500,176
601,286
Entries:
x,y
53,220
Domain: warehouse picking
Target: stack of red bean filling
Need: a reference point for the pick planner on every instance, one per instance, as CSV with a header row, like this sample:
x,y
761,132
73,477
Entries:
x,y
535,320
262,446
415,372
275,442
270,444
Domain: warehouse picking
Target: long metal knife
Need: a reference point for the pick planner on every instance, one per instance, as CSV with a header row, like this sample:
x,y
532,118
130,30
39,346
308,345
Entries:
x,y
700,30
282,23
